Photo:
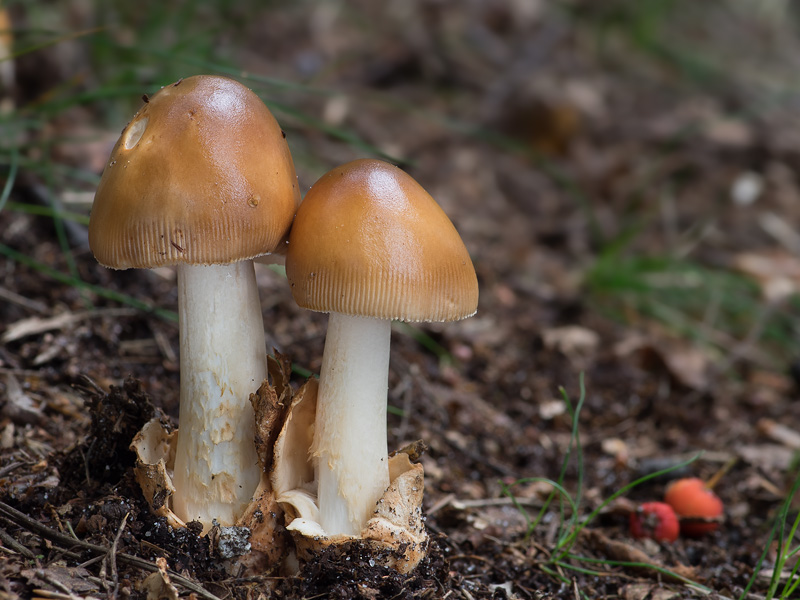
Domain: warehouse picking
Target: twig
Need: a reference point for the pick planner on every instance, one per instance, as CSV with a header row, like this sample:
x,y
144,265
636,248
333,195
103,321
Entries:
x,y
14,545
40,594
91,561
9,468
714,480
113,554
23,520
90,385
35,325
441,504
86,465
779,433
65,591
484,502
778,228
20,372
110,561
16,298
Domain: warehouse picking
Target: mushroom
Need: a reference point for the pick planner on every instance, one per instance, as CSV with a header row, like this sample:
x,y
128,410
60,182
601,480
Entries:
x,y
202,178
368,245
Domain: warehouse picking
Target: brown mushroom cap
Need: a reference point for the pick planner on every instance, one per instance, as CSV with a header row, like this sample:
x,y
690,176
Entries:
x,y
201,175
368,240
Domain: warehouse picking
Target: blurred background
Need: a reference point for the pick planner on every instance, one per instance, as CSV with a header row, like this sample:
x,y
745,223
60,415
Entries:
x,y
638,156
624,174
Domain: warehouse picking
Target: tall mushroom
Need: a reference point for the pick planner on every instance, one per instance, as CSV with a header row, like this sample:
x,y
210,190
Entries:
x,y
368,245
202,178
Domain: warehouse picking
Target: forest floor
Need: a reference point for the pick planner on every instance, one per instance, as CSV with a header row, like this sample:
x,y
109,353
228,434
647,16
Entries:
x,y
632,229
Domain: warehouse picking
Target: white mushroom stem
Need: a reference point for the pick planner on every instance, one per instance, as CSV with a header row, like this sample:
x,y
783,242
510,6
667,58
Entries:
x,y
350,430
223,360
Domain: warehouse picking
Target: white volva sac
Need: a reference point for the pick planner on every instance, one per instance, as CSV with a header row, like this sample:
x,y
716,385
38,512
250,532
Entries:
x,y
223,360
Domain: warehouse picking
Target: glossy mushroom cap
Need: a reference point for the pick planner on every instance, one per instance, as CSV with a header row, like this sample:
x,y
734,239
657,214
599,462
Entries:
x,y
201,175
369,241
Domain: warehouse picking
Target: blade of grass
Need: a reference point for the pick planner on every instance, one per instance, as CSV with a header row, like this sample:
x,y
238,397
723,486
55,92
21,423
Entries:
x,y
793,580
564,465
576,441
100,291
339,133
783,540
61,232
10,179
55,41
46,211
425,341
263,80
638,565
557,489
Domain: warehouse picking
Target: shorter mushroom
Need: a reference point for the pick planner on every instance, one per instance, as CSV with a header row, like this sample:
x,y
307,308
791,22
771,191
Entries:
x,y
368,245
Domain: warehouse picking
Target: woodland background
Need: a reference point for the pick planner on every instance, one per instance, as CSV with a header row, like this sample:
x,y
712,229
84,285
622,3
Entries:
x,y
624,174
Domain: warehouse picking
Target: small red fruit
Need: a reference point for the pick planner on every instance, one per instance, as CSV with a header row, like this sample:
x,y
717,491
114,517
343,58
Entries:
x,y
699,508
654,520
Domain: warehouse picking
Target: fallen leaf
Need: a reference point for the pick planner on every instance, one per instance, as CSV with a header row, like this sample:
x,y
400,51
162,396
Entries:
x,y
19,406
58,577
637,591
779,433
776,271
728,133
686,364
614,447
661,593
616,550
37,325
573,341
158,585
767,457
550,409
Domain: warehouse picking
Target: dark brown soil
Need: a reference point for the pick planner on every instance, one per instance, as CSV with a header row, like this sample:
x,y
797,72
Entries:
x,y
547,149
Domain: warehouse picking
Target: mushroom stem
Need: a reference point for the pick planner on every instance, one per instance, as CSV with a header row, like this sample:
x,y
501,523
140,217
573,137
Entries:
x,y
223,360
350,436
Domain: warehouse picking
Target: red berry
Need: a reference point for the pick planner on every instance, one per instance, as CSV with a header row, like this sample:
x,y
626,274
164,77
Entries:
x,y
654,520
699,508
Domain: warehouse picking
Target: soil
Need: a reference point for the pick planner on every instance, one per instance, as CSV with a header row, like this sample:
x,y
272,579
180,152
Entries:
x,y
545,151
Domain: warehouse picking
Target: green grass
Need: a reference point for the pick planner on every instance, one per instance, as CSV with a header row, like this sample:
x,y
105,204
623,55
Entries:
x,y
572,520
719,309
788,549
